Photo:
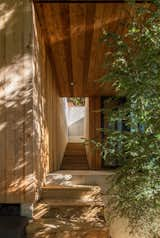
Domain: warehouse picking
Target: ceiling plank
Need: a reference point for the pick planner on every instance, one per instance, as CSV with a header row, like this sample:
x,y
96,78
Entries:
x,y
90,17
77,21
72,33
57,45
65,28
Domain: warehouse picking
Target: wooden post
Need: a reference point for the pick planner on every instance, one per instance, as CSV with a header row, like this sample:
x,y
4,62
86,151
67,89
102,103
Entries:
x,y
94,123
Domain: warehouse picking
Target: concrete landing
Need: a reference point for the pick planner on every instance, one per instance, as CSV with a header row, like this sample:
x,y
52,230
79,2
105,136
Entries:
x,y
78,177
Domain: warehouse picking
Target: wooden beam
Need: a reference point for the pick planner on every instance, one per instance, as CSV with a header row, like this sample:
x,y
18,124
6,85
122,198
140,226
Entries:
x,y
94,124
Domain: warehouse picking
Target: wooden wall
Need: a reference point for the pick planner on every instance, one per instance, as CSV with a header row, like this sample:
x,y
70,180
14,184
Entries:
x,y
49,116
92,123
32,125
17,171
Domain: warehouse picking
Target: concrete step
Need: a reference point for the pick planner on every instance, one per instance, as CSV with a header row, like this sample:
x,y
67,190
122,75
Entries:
x,y
69,192
68,222
50,228
56,203
53,208
77,177
65,211
90,233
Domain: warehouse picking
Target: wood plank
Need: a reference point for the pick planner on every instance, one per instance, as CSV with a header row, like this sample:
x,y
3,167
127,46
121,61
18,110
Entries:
x,y
29,176
63,29
77,22
90,17
102,17
11,88
58,46
94,124
3,122
66,29
19,163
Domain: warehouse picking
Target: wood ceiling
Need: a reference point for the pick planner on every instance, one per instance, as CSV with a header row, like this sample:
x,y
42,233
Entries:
x,y
72,32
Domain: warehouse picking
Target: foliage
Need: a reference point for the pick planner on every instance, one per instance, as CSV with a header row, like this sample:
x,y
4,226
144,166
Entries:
x,y
77,101
133,66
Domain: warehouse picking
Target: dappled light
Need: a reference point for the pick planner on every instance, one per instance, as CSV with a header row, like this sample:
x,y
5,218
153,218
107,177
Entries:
x,y
17,176
17,99
66,221
61,179
6,14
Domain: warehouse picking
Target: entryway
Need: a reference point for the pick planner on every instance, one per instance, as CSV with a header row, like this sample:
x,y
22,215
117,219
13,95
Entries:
x,y
75,157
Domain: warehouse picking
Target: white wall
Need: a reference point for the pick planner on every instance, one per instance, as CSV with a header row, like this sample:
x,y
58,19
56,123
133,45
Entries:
x,y
75,119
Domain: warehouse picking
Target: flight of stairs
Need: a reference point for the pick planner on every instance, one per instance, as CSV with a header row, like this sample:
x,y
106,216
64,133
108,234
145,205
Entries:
x,y
68,212
75,157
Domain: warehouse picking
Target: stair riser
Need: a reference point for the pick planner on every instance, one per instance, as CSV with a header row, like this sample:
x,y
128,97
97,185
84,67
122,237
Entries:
x,y
75,152
75,159
59,194
80,167
60,179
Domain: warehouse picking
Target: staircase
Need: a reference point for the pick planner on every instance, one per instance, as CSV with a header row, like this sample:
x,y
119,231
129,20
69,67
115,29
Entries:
x,y
74,211
75,157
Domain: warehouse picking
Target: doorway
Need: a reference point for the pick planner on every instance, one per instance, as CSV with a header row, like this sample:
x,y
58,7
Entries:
x,y
75,157
76,119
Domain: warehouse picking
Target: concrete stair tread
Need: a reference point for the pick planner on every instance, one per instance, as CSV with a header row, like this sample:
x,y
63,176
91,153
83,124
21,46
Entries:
x,y
77,177
70,202
69,210
74,187
50,228
67,225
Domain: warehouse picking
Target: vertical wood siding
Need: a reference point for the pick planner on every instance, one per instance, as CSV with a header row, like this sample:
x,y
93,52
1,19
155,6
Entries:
x,y
92,123
49,117
32,124
17,180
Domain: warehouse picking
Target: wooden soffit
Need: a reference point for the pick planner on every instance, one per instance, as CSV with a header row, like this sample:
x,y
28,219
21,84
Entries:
x,y
72,34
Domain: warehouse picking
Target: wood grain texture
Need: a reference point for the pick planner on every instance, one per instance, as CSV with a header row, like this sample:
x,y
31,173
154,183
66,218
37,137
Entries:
x,y
92,124
16,99
32,126
49,115
72,31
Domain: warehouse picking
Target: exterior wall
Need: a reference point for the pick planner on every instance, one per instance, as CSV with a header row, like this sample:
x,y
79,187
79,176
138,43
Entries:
x,y
49,111
17,174
32,126
61,133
